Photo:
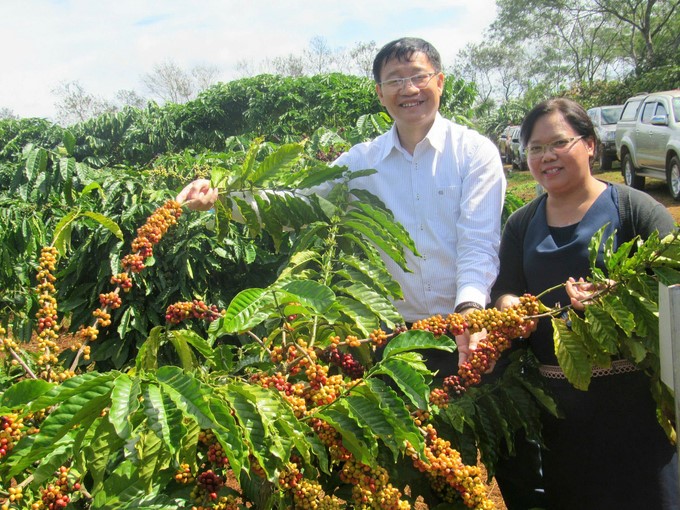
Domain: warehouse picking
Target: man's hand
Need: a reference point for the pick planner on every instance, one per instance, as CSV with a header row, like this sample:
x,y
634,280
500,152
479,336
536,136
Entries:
x,y
198,195
467,343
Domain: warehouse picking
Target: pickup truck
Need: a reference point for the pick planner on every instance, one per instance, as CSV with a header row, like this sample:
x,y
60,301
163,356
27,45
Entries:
x,y
648,140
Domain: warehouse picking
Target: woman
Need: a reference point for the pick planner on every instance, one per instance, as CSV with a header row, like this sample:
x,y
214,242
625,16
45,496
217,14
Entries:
x,y
608,451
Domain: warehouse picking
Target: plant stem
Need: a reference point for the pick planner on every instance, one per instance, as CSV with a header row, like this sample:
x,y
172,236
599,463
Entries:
x,y
23,364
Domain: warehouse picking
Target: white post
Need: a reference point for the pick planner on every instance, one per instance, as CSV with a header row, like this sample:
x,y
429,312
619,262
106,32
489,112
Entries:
x,y
669,343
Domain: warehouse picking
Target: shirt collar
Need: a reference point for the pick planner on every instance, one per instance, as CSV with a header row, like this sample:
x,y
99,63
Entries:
x,y
436,137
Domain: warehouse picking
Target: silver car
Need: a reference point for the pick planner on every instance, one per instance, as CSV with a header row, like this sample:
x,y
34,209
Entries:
x,y
604,120
648,140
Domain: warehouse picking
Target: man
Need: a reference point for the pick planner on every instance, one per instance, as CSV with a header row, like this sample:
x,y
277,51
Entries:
x,y
443,182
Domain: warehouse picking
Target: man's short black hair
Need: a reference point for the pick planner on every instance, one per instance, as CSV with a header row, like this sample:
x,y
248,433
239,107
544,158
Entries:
x,y
403,49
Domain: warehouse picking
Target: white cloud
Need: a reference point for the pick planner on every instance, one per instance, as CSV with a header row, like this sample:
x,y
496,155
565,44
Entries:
x,y
108,46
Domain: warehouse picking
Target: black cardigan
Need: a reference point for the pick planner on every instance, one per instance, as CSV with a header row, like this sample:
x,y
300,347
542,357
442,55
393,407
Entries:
x,y
639,215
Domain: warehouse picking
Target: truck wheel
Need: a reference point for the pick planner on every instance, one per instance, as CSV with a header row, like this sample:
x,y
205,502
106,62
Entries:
x,y
605,159
673,177
629,175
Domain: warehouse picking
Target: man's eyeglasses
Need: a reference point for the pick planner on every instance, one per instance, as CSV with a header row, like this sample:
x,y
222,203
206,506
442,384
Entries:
x,y
557,147
418,80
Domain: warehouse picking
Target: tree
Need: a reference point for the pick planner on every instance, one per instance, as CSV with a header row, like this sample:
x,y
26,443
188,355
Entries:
x,y
169,82
75,104
130,98
585,41
319,57
173,84
565,41
7,113
362,55
647,22
498,70
291,66
205,76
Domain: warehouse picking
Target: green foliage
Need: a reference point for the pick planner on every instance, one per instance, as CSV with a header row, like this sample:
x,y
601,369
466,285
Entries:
x,y
282,109
128,432
92,215
621,320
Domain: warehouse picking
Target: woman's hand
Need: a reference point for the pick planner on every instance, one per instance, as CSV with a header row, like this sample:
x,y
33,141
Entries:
x,y
580,292
198,195
509,300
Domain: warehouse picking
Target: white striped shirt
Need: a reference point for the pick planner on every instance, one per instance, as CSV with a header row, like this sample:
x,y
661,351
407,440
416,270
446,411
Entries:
x,y
449,196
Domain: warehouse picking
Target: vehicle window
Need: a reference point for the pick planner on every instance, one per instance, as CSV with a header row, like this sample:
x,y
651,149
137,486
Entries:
x,y
611,115
676,108
648,112
593,116
630,110
661,109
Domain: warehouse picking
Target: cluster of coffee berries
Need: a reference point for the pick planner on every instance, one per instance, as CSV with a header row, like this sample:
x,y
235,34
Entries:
x,y
378,337
58,494
439,397
332,439
510,322
290,477
501,327
308,494
356,473
371,487
103,317
48,321
183,474
88,333
151,233
278,381
214,452
7,343
317,375
347,363
16,494
208,485
110,300
436,325
229,502
448,475
11,430
327,393
196,309
255,467
280,353
123,281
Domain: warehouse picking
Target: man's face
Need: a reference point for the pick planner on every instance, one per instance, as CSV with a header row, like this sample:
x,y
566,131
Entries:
x,y
409,105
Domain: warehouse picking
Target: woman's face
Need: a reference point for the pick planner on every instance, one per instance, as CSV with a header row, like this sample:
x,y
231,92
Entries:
x,y
562,169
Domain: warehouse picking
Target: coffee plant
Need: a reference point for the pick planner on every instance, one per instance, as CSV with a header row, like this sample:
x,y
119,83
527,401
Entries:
x,y
280,400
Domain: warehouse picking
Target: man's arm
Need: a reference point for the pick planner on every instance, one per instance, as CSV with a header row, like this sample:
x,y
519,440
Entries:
x,y
479,224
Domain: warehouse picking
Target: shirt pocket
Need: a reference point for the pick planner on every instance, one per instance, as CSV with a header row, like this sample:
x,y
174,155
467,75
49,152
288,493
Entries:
x,y
446,209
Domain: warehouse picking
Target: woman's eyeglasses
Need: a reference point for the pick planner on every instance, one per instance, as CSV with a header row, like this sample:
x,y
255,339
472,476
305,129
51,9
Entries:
x,y
557,147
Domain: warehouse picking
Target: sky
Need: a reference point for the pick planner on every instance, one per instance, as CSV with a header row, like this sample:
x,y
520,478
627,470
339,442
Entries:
x,y
108,46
